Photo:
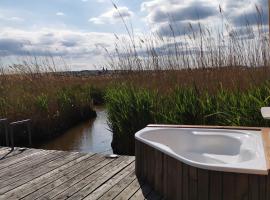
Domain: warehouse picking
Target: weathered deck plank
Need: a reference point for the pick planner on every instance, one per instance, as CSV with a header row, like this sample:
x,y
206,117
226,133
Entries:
x,y
81,189
9,154
48,178
34,173
27,164
129,191
41,174
142,192
64,182
118,187
17,159
114,186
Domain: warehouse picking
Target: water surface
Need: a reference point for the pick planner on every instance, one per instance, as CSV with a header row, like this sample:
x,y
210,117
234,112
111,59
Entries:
x,y
91,136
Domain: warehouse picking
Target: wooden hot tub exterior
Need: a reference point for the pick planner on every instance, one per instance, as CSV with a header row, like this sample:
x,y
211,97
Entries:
x,y
176,180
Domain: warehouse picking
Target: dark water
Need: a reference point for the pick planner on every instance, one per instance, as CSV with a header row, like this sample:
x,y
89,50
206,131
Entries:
x,y
91,136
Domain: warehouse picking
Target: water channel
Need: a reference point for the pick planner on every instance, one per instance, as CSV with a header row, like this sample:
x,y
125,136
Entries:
x,y
91,136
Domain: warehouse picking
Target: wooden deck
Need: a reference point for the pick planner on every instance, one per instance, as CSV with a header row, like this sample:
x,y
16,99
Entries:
x,y
42,174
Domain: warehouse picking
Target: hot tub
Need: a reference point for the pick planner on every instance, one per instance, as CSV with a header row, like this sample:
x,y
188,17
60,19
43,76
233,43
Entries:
x,y
187,162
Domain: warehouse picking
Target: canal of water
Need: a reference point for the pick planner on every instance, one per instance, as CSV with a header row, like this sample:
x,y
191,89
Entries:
x,y
91,136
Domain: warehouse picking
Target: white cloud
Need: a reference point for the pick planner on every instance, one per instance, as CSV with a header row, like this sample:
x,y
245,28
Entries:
x,y
12,19
112,16
99,1
18,19
82,49
97,20
60,14
161,13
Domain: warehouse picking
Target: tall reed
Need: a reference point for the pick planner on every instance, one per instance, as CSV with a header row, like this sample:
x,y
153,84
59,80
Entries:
x,y
54,101
206,76
197,46
131,109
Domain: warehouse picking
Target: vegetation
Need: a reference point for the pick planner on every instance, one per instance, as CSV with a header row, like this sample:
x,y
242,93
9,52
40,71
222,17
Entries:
x,y
201,75
52,100
199,45
131,109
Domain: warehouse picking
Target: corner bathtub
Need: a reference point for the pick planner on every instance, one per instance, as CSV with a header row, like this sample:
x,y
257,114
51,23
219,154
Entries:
x,y
204,162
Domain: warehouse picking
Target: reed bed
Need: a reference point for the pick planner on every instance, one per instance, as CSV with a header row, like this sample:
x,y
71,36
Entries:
x,y
53,100
206,76
198,45
131,109
200,75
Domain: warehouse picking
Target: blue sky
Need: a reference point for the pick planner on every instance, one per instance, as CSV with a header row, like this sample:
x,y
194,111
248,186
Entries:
x,y
74,14
74,29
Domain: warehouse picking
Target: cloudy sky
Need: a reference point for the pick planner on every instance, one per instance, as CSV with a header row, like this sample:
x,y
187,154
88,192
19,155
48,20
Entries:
x,y
78,30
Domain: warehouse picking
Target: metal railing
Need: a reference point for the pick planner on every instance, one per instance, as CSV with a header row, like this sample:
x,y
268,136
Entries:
x,y
27,124
4,126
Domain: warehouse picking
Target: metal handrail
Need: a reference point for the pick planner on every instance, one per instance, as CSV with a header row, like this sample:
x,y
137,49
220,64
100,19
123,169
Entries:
x,y
4,122
26,122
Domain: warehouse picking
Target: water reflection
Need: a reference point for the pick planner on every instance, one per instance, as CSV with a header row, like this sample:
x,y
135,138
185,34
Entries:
x,y
92,136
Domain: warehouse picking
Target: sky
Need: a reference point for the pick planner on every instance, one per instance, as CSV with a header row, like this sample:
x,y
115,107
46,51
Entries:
x,y
79,30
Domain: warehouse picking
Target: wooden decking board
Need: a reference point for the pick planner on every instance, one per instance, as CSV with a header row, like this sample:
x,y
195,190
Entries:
x,y
14,155
116,172
9,154
13,170
153,196
17,159
88,184
126,173
64,182
129,191
4,150
37,173
46,179
73,184
13,174
41,174
118,187
112,188
142,192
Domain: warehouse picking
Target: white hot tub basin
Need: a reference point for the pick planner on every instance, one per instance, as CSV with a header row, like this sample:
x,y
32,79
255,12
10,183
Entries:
x,y
239,151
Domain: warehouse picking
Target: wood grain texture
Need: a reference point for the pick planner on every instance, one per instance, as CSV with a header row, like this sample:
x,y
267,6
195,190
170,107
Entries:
x,y
266,143
175,180
42,174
